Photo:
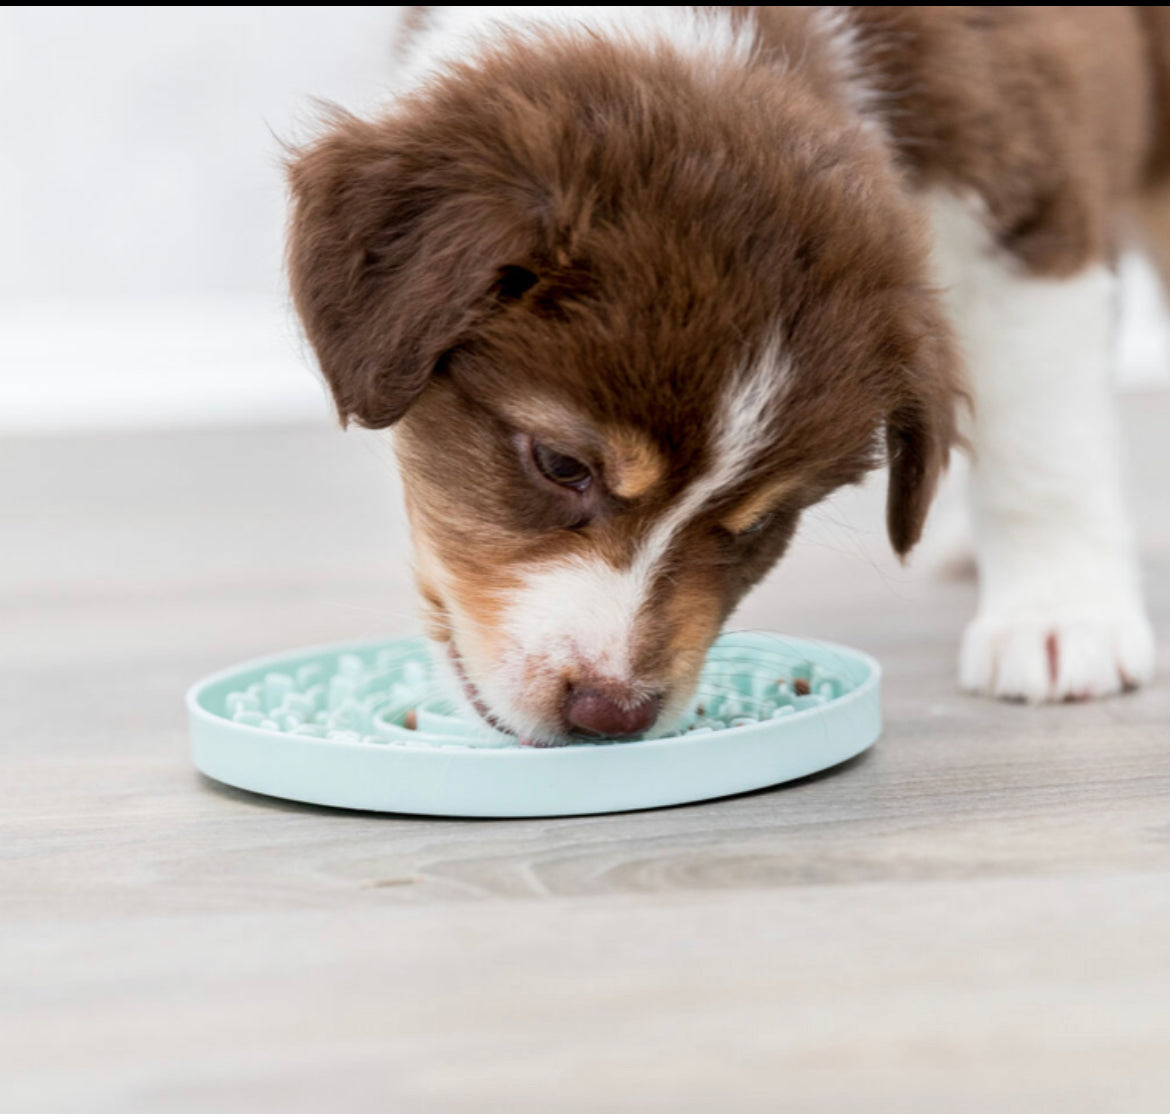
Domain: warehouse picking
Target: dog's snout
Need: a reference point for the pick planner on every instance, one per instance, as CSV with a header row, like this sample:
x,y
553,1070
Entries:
x,y
608,715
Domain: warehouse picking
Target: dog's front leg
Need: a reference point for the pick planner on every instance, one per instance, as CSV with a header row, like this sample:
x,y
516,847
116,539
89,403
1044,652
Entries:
x,y
1060,609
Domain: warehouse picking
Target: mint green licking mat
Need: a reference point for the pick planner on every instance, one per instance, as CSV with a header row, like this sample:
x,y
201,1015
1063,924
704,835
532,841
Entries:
x,y
362,725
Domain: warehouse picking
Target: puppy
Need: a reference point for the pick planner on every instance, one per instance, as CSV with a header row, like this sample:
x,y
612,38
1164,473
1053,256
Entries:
x,y
636,286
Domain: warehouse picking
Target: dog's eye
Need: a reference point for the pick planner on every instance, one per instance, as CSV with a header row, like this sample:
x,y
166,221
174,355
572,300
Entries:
x,y
564,471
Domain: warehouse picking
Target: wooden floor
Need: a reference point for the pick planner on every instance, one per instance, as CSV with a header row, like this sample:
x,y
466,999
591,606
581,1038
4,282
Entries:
x,y
973,917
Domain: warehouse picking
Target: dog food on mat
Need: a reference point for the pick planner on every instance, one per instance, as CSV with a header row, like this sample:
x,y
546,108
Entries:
x,y
391,695
368,725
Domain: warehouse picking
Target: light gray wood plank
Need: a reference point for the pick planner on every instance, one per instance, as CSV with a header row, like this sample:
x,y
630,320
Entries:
x,y
974,916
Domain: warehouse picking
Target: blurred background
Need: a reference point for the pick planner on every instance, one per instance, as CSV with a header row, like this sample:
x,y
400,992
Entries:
x,y
157,402
142,206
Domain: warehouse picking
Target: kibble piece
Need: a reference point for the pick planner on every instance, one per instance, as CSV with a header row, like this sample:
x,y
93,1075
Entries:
x,y
349,697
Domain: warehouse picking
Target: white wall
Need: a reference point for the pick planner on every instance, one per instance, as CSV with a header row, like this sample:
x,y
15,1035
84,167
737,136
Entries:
x,y
139,155
142,205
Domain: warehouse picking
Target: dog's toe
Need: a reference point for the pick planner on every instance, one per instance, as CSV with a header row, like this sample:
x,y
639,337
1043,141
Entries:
x,y
1062,655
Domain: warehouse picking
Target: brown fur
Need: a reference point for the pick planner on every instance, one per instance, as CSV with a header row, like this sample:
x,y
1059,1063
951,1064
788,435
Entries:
x,y
1156,32
591,229
1046,113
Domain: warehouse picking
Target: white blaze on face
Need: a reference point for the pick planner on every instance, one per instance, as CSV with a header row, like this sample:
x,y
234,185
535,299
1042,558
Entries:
x,y
581,615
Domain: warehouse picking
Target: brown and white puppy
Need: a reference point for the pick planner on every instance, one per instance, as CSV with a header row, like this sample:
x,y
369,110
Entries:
x,y
635,286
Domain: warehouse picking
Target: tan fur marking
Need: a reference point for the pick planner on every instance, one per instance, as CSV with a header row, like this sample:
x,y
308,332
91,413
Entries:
x,y
541,416
479,593
693,620
446,580
758,504
633,464
481,597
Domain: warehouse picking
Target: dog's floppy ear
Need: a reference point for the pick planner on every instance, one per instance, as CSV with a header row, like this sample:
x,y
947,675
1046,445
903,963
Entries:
x,y
392,255
920,431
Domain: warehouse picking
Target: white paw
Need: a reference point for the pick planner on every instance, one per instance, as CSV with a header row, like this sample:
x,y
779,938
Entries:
x,y
1064,653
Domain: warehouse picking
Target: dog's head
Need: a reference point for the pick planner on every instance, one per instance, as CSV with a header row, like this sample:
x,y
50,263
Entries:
x,y
627,330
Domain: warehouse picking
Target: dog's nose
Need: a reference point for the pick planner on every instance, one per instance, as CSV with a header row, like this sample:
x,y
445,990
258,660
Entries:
x,y
596,713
